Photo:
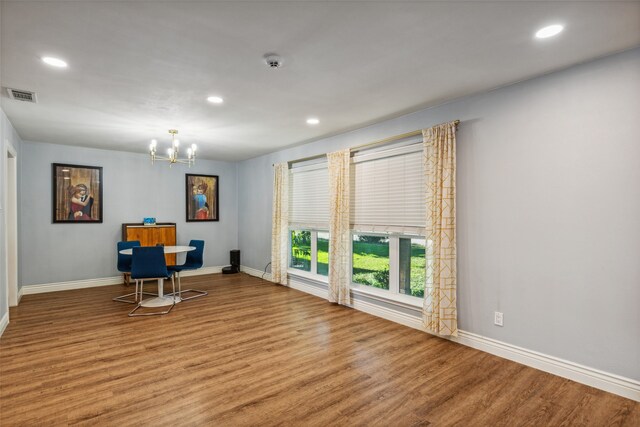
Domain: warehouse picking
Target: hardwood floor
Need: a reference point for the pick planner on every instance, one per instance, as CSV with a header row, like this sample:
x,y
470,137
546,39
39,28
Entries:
x,y
253,353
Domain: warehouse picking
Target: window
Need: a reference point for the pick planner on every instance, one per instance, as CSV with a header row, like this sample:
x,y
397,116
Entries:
x,y
411,266
300,256
387,206
387,221
371,260
387,191
309,213
309,251
322,256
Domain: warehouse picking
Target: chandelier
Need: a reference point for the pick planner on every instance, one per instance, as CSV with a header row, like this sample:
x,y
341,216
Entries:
x,y
173,151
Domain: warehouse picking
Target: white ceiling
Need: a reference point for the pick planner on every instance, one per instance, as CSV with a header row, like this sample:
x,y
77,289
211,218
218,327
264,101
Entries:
x,y
138,68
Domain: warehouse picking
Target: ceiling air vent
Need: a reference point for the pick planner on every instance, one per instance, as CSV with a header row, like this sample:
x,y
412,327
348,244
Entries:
x,y
22,95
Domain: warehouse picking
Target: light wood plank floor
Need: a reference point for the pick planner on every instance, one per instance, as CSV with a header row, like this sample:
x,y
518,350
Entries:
x,y
253,353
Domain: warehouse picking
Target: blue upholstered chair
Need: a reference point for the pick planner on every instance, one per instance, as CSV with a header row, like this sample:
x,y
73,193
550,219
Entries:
x,y
194,261
124,266
148,263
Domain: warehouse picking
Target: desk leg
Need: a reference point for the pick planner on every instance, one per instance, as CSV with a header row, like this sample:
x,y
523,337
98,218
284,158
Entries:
x,y
160,288
161,300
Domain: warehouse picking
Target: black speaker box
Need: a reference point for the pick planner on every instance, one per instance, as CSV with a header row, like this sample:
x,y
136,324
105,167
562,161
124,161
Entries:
x,y
234,258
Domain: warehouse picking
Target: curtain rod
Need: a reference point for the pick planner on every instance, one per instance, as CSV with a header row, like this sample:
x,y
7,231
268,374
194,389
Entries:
x,y
368,144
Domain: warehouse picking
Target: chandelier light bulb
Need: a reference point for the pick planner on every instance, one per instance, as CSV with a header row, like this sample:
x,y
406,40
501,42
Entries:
x,y
194,147
169,151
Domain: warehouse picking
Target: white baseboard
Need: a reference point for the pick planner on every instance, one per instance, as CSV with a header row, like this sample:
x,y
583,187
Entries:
x,y
612,383
20,293
255,272
105,281
74,284
201,271
606,381
4,322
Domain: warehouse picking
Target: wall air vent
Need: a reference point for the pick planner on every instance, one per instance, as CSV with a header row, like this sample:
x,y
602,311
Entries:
x,y
22,95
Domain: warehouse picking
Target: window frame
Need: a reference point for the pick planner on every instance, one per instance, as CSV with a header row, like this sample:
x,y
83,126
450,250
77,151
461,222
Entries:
x,y
394,265
391,295
313,269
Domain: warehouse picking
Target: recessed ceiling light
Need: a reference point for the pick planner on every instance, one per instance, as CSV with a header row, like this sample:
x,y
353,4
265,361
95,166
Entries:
x,y
54,62
549,31
215,100
313,121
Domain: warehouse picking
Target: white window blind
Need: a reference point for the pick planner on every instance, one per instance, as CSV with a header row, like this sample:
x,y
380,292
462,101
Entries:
x,y
309,197
387,191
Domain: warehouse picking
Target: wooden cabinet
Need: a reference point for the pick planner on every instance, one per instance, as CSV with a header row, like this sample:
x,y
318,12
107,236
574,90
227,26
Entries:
x,y
151,235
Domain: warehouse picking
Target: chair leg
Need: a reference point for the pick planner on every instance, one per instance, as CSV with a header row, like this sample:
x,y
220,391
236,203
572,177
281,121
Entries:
x,y
196,291
173,276
123,298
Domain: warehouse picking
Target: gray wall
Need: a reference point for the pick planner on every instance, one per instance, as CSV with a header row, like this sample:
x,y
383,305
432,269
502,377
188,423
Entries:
x,y
7,135
133,189
548,210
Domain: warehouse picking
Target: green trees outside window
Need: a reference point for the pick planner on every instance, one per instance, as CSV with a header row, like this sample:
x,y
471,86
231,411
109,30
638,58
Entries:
x,y
371,260
323,253
412,266
300,250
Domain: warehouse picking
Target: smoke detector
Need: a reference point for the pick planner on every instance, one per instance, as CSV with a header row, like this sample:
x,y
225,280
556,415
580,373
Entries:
x,y
22,95
272,60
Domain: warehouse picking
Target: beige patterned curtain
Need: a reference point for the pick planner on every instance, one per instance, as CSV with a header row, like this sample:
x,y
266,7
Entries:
x,y
339,234
280,224
439,159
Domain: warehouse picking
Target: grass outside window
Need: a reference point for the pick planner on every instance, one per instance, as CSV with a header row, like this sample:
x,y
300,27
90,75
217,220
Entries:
x,y
371,260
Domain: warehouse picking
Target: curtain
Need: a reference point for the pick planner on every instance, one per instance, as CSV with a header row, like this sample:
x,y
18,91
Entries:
x,y
439,159
339,234
280,224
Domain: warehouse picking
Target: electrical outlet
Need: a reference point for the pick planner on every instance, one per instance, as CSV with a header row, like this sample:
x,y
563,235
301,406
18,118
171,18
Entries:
x,y
498,318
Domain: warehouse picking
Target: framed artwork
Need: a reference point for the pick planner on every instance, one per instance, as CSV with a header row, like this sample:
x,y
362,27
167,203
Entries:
x,y
77,194
202,198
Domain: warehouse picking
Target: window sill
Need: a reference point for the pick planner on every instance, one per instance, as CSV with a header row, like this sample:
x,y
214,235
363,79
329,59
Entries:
x,y
308,275
413,303
384,296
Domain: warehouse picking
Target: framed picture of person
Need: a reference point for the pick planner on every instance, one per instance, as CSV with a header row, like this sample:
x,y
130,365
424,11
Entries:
x,y
77,194
202,198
